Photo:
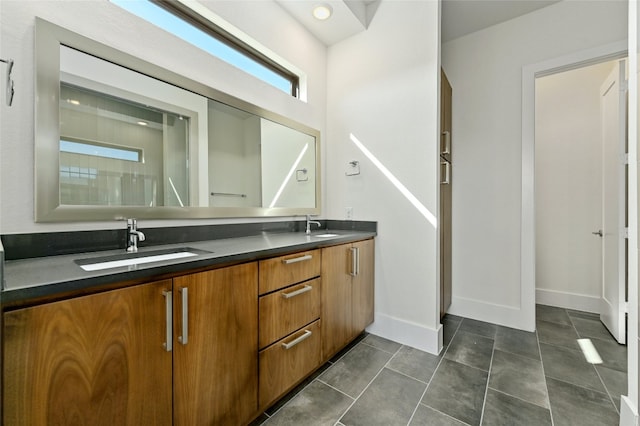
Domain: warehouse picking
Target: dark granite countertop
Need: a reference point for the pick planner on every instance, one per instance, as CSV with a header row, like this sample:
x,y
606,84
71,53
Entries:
x,y
42,277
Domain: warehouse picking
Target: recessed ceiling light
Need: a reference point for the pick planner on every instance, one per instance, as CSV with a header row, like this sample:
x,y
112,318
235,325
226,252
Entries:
x,y
73,101
322,12
142,123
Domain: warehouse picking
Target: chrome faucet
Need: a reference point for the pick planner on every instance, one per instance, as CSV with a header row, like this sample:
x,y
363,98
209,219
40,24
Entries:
x,y
309,222
133,235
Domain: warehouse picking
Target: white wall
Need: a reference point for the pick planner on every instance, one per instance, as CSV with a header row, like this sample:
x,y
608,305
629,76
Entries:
x,y
383,89
107,23
568,187
485,71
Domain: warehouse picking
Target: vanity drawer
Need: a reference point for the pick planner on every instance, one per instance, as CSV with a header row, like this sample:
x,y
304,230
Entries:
x,y
283,271
288,309
288,361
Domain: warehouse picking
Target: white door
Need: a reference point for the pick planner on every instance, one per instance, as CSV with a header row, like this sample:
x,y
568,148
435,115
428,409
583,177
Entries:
x,y
613,114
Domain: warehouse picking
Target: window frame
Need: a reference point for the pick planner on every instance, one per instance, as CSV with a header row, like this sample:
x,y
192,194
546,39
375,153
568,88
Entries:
x,y
192,17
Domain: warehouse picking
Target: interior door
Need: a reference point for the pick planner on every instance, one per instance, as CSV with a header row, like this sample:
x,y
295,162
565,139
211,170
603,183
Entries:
x,y
613,115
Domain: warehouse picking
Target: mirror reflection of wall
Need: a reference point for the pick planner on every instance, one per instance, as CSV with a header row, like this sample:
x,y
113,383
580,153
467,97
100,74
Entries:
x,y
288,166
234,157
258,162
112,151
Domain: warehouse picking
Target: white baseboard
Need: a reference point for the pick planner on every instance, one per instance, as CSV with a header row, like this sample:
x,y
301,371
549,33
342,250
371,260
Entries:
x,y
408,333
561,299
507,316
628,414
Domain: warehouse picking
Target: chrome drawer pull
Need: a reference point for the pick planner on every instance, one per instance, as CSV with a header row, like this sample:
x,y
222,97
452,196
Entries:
x,y
297,259
354,261
184,339
297,340
168,304
304,289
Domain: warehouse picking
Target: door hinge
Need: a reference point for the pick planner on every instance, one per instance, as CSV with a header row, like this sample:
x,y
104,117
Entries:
x,y
625,159
625,307
625,233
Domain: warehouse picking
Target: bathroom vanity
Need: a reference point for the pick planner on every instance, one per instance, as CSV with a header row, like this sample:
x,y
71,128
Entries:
x,y
212,340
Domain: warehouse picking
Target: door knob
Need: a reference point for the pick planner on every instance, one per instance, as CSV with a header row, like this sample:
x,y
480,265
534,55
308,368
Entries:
x,y
598,233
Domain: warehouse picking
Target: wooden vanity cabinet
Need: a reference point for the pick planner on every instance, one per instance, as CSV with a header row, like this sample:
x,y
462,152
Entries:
x,y
348,293
215,372
290,343
213,347
103,359
92,360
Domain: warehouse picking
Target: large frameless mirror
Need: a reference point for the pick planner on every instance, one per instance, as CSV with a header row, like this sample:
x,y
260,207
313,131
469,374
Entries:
x,y
118,137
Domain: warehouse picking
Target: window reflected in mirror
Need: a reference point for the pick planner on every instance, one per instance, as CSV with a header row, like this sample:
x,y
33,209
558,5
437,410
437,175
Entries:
x,y
112,152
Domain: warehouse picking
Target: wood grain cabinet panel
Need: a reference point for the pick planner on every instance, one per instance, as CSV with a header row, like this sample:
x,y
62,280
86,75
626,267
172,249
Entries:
x,y
288,361
92,360
336,299
283,271
347,293
216,371
288,309
363,287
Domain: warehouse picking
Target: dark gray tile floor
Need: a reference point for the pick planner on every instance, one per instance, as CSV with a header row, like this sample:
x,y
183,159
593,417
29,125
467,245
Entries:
x,y
485,375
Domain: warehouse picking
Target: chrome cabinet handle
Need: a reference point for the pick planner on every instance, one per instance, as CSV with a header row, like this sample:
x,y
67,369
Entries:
x,y
355,261
184,339
297,340
168,306
297,292
297,259
447,142
447,173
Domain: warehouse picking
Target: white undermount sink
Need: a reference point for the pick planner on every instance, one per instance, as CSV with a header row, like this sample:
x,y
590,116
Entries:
x,y
128,259
325,235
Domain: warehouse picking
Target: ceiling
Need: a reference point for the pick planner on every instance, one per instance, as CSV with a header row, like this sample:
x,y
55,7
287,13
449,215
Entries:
x,y
462,17
459,17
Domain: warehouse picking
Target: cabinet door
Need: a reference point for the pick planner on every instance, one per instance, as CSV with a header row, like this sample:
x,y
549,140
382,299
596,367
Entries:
x,y
92,360
363,286
216,369
336,324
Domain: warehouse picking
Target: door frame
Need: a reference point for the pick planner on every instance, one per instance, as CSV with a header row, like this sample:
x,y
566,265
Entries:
x,y
530,72
527,233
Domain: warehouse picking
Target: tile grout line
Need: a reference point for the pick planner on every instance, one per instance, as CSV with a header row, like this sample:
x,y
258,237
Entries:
x,y
544,375
334,388
604,385
415,410
579,386
371,381
518,398
607,390
486,389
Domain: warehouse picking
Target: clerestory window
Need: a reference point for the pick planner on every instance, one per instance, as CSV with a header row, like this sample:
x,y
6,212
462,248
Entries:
x,y
184,22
